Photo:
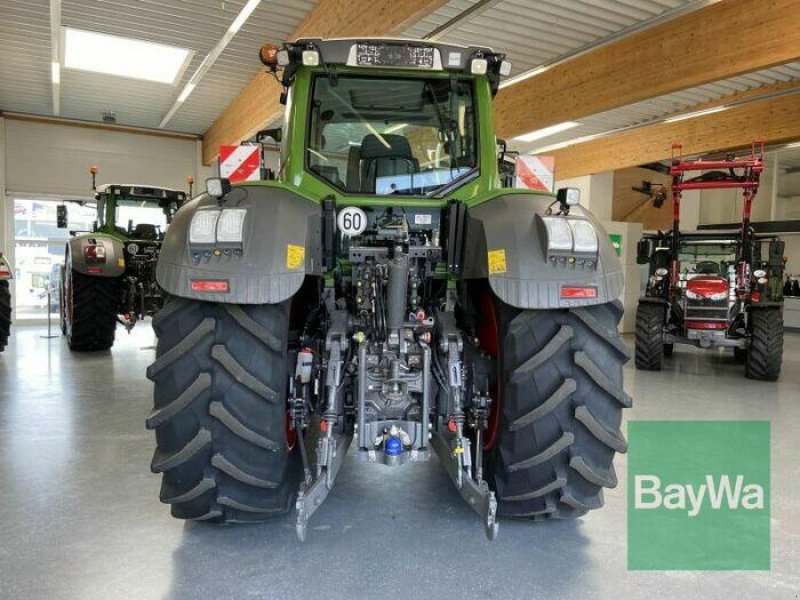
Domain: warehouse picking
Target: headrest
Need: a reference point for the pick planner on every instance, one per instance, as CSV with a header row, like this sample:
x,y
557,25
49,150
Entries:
x,y
707,267
145,231
373,147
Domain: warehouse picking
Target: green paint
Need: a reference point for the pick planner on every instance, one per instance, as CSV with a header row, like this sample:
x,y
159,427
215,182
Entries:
x,y
662,534
616,241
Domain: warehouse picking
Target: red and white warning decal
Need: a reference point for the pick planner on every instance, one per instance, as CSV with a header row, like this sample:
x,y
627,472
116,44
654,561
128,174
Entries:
x,y
536,172
240,163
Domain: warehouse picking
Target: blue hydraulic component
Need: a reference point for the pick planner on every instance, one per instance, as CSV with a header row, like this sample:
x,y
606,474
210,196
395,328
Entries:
x,y
393,446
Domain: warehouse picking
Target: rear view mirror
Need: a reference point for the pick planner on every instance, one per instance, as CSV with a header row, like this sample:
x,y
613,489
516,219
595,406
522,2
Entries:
x,y
61,216
644,250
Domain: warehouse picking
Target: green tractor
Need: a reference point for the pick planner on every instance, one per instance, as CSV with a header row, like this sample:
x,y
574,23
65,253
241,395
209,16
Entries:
x,y
109,272
5,301
386,292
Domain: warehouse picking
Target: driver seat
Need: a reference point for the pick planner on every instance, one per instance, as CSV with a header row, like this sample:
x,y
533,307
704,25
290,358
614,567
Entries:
x,y
379,159
145,231
708,267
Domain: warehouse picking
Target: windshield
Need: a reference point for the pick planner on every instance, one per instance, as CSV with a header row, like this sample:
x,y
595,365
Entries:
x,y
392,136
707,259
139,215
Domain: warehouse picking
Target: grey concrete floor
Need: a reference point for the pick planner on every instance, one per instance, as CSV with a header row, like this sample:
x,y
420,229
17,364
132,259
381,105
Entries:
x,y
80,519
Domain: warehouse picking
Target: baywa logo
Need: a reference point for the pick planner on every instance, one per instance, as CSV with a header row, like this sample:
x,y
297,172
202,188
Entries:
x,y
698,495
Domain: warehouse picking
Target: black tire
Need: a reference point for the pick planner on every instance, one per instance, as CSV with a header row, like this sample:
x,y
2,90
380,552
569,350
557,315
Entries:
x,y
220,411
765,353
5,314
62,321
649,336
561,400
90,318
669,349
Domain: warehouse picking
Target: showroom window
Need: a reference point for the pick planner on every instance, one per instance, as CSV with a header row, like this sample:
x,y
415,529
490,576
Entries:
x,y
39,252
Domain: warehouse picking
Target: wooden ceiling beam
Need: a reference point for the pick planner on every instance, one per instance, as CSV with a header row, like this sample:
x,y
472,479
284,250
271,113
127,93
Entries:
x,y
257,105
722,40
777,120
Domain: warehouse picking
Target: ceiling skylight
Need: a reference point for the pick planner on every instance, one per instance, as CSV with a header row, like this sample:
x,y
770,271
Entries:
x,y
124,57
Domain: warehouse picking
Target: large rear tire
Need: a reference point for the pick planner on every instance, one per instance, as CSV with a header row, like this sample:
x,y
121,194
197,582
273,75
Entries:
x,y
91,305
5,314
649,336
765,353
560,399
220,411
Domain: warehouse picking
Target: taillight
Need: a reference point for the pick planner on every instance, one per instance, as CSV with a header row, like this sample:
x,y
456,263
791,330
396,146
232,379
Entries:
x,y
210,285
578,292
97,253
755,296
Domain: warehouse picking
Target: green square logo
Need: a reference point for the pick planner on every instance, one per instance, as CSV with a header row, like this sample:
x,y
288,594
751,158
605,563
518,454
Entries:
x,y
698,495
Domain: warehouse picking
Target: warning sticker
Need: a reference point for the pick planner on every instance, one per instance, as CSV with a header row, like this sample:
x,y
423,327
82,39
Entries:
x,y
295,256
121,262
497,261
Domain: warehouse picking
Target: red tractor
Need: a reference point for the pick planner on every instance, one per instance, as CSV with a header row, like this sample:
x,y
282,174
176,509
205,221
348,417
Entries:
x,y
713,288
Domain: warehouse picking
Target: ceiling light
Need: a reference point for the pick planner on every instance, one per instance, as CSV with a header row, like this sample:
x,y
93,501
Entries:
x,y
243,15
546,131
124,57
210,59
395,128
699,113
186,91
525,75
567,143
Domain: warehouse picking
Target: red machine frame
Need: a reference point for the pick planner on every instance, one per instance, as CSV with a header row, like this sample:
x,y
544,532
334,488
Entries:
x,y
748,181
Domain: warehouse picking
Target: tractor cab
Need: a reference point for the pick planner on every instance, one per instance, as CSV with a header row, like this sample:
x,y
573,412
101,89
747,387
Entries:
x,y
378,118
136,212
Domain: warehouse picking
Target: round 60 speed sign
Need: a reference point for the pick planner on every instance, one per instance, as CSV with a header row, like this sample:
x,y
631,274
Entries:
x,y
351,221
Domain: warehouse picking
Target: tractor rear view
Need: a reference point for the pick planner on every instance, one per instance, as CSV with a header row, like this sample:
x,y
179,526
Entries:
x,y
710,288
386,293
109,272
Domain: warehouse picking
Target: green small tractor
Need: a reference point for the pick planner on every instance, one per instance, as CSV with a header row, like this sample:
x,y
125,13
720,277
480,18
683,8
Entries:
x,y
6,275
386,292
109,272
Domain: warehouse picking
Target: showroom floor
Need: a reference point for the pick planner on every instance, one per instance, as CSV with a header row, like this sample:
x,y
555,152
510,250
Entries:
x,y
80,519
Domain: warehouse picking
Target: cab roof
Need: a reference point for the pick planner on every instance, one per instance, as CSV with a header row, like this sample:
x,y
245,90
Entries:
x,y
393,53
140,191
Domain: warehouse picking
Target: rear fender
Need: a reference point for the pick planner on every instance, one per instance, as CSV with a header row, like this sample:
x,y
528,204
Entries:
x,y
114,265
281,245
5,269
505,242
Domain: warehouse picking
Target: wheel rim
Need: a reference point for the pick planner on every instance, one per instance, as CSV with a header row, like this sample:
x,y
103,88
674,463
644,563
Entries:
x,y
489,337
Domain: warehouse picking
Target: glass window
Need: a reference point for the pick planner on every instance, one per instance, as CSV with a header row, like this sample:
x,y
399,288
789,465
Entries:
x,y
390,135
39,251
133,213
707,259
